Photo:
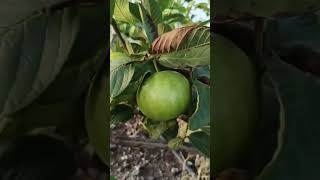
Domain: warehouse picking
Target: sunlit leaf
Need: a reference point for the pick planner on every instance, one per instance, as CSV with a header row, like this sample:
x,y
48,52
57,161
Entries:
x,y
122,12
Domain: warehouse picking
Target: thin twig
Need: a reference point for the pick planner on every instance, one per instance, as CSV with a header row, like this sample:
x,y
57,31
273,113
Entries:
x,y
181,160
149,144
117,31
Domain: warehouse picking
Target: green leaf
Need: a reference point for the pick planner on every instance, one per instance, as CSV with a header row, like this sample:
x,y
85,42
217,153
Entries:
x,y
113,178
112,5
149,25
120,79
32,54
142,68
205,23
128,96
186,58
153,10
183,47
172,18
201,71
296,156
206,129
201,141
73,80
121,113
203,6
231,8
35,46
201,116
118,59
134,9
122,12
96,117
164,4
121,73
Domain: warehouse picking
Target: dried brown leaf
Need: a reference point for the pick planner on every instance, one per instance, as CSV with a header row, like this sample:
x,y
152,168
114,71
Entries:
x,y
171,41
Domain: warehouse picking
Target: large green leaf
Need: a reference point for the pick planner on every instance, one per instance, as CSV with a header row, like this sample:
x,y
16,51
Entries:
x,y
35,46
120,79
32,54
128,96
73,80
201,141
153,9
122,12
201,116
121,73
118,59
183,47
232,8
187,58
134,9
96,116
297,155
149,25
164,4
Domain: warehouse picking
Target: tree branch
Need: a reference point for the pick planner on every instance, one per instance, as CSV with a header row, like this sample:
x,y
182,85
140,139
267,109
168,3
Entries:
x,y
181,159
116,29
146,143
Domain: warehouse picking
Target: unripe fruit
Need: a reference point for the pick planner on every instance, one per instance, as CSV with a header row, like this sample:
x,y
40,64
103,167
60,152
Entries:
x,y
97,118
235,104
164,95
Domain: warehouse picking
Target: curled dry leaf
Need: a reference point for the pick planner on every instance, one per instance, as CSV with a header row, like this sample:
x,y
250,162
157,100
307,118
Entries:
x,y
171,41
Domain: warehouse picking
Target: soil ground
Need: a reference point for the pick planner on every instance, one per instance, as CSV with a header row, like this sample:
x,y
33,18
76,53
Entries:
x,y
130,161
